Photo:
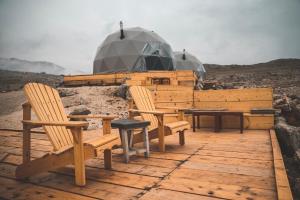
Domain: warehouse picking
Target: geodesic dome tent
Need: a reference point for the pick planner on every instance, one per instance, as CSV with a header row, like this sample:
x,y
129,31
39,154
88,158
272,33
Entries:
x,y
138,50
187,61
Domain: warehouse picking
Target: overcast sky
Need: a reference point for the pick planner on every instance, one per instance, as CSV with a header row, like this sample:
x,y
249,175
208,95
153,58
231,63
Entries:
x,y
216,31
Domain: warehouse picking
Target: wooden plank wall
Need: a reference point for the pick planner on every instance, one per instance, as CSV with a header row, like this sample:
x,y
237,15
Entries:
x,y
96,79
180,77
172,96
238,100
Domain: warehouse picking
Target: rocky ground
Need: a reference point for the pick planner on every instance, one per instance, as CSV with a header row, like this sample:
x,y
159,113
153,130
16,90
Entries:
x,y
283,75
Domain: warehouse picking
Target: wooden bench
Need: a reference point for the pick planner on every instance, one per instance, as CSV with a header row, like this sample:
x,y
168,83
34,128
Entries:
x,y
243,100
218,118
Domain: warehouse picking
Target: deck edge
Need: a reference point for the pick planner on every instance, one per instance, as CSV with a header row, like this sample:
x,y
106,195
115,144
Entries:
x,y
282,183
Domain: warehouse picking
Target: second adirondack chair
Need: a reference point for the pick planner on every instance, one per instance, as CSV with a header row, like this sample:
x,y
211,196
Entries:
x,y
144,102
65,136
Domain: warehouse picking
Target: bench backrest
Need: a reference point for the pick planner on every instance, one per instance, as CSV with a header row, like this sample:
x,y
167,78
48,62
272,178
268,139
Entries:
x,y
234,99
47,105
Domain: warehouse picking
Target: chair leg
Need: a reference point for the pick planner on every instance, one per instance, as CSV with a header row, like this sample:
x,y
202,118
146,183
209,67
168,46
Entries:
x,y
181,138
107,159
26,144
161,133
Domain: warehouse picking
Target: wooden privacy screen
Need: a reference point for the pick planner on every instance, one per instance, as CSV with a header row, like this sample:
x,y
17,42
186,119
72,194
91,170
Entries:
x,y
233,99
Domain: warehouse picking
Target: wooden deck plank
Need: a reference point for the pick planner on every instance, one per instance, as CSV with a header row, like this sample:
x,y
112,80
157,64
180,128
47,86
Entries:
x,y
233,161
217,189
141,169
238,149
169,155
133,168
119,178
65,183
267,183
11,189
226,154
150,161
157,194
94,189
229,168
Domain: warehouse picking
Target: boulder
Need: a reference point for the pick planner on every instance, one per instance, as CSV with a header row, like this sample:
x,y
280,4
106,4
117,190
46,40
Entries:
x,y
80,110
63,92
122,91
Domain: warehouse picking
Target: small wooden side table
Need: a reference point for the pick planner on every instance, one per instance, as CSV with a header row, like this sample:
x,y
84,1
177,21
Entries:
x,y
126,127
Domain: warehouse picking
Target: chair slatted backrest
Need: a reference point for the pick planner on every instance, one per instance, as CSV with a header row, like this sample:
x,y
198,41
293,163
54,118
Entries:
x,y
47,105
143,100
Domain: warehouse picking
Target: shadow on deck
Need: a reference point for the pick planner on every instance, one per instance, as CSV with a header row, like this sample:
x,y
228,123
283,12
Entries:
x,y
226,165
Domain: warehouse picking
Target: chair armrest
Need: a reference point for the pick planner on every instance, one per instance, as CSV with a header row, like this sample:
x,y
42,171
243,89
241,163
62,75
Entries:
x,y
173,107
92,116
147,112
167,107
70,124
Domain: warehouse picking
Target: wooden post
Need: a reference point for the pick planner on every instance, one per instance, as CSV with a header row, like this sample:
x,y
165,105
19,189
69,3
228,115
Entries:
x,y
161,133
106,126
78,156
26,132
107,159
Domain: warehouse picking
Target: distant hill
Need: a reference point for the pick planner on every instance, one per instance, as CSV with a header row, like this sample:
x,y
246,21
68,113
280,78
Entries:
x,y
290,62
13,80
15,64
283,75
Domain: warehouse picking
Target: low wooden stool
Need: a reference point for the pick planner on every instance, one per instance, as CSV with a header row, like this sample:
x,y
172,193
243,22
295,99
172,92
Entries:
x,y
126,127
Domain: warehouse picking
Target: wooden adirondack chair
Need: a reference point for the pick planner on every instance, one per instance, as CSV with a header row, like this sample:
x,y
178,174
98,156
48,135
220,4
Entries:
x,y
65,136
158,129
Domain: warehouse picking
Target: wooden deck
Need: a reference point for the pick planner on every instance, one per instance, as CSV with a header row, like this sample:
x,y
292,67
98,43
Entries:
x,y
226,165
